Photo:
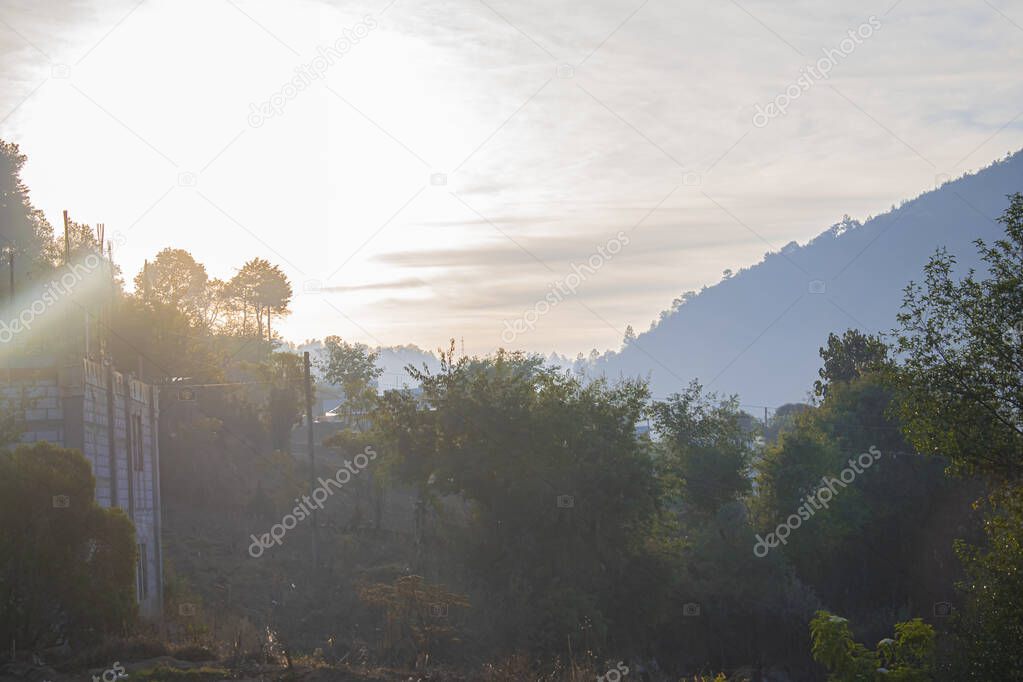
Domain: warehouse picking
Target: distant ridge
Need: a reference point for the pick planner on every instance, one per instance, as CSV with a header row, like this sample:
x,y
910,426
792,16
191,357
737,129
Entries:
x,y
758,332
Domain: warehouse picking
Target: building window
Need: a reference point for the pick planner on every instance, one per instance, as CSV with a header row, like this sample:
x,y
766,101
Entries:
x,y
136,442
140,574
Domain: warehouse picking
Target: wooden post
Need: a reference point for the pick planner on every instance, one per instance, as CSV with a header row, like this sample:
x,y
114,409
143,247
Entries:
x,y
70,352
67,240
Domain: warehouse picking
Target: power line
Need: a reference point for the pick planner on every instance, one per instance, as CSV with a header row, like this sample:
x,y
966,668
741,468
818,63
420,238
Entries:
x,y
174,384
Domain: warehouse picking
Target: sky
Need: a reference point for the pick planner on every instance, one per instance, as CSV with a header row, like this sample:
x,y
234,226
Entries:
x,y
447,165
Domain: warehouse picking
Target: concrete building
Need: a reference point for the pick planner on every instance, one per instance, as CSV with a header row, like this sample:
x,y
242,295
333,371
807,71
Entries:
x,y
113,419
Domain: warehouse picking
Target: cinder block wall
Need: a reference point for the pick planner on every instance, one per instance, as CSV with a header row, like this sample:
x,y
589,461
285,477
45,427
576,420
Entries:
x,y
39,388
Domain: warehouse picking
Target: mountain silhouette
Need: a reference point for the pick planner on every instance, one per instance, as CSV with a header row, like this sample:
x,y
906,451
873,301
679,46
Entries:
x,y
757,333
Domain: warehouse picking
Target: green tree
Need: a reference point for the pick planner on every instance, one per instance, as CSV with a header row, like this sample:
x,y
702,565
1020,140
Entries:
x,y
213,305
857,547
560,496
783,419
25,236
962,395
175,279
849,356
67,566
988,628
752,610
706,448
906,658
629,338
82,241
161,339
285,408
265,289
273,293
352,366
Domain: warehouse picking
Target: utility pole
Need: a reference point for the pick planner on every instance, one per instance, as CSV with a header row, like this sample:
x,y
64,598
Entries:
x,y
69,353
106,338
312,454
67,239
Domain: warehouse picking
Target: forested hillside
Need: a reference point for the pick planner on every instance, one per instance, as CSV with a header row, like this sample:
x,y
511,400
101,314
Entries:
x,y
756,333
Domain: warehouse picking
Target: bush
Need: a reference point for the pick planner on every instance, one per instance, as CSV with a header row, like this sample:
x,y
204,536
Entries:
x,y
907,658
67,566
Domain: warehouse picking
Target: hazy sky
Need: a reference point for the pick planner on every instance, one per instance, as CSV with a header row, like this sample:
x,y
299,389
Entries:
x,y
552,125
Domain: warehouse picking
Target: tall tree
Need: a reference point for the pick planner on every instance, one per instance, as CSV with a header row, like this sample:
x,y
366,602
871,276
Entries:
x,y
560,495
989,627
264,288
273,293
213,304
176,279
25,236
849,356
961,395
706,448
286,399
352,366
962,379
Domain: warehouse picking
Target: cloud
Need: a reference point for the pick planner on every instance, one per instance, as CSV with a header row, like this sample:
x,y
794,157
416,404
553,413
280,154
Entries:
x,y
556,161
407,283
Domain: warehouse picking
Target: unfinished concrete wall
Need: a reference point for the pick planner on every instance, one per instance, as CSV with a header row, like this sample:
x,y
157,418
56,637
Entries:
x,y
39,390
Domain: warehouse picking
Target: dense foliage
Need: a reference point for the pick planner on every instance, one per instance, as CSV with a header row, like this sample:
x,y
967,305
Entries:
x,y
68,568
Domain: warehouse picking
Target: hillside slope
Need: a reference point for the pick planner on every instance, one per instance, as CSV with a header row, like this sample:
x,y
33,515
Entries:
x,y
757,333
